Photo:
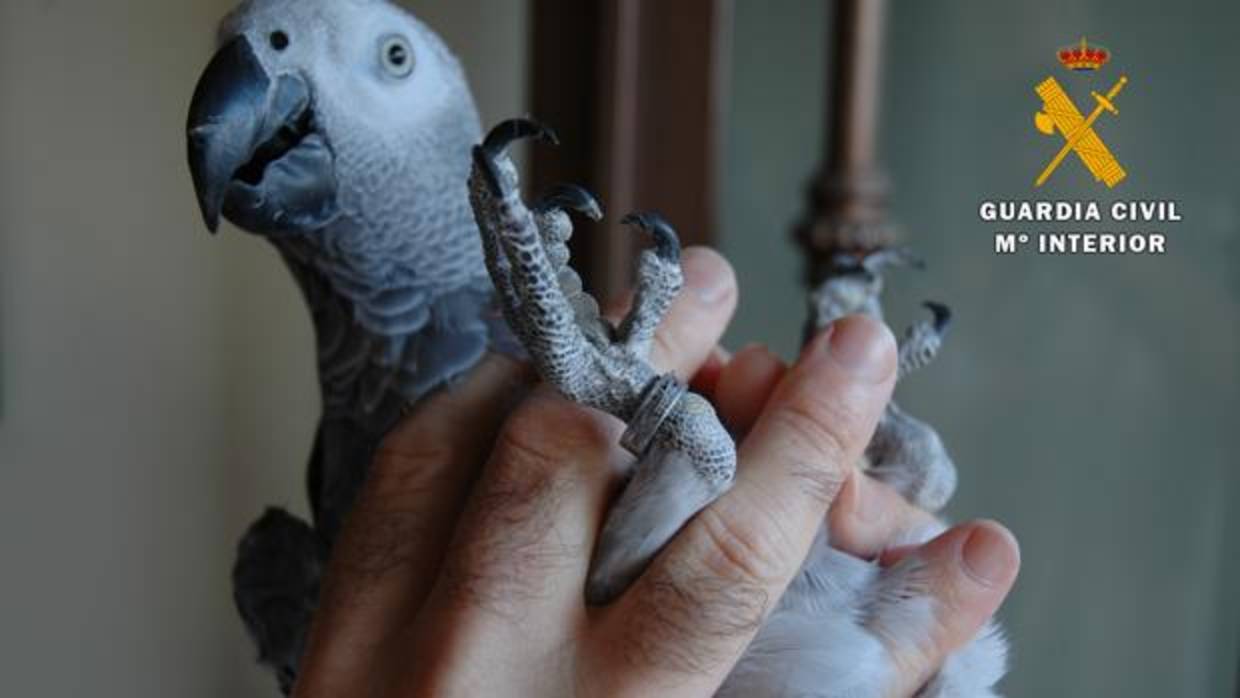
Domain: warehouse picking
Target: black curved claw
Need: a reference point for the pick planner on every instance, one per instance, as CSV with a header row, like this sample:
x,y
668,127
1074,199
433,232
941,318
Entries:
x,y
499,138
570,197
942,315
505,132
666,243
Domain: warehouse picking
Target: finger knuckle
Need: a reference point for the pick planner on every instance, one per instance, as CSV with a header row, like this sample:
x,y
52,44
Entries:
x,y
821,482
688,623
507,546
741,552
500,574
519,487
815,426
375,542
410,465
546,431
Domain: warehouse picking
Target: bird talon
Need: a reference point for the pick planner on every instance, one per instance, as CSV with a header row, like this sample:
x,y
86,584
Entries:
x,y
505,132
942,315
570,197
666,242
498,139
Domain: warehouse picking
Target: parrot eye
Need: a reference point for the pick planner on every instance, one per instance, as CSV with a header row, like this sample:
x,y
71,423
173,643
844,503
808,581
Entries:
x,y
396,55
279,40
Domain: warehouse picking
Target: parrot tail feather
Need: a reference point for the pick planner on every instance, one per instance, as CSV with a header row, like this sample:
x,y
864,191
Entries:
x,y
276,588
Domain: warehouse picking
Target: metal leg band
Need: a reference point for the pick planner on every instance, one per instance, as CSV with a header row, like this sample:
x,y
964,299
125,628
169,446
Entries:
x,y
658,401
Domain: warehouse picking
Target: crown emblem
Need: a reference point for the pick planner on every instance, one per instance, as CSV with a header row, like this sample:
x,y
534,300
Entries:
x,y
1083,56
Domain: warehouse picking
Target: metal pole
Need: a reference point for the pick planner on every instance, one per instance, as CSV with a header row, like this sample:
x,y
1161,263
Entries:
x,y
847,198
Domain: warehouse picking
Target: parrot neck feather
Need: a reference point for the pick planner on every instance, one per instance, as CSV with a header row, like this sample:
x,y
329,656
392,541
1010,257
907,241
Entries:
x,y
392,321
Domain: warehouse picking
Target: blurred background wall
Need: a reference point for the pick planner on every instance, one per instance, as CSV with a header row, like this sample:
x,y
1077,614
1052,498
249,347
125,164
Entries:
x,y
1090,402
157,386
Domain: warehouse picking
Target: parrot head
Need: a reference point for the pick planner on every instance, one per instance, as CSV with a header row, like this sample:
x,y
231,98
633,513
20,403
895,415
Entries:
x,y
313,111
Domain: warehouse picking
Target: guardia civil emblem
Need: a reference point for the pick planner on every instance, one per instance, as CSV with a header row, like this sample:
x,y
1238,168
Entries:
x,y
1059,114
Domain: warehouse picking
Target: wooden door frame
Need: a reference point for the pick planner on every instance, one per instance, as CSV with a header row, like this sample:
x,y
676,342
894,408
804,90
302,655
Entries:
x,y
636,90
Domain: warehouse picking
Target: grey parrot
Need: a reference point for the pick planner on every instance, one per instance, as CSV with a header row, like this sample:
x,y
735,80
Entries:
x,y
340,130
344,132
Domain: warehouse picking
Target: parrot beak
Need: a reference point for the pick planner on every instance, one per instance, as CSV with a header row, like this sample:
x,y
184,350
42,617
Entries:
x,y
253,152
225,116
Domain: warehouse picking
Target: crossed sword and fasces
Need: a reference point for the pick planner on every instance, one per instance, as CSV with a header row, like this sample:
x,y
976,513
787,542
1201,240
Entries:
x,y
1079,135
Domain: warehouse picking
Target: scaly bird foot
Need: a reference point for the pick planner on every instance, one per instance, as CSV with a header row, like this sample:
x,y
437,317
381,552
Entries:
x,y
922,340
685,457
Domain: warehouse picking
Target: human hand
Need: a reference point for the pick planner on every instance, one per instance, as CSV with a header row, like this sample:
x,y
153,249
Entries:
x,y
461,569
971,567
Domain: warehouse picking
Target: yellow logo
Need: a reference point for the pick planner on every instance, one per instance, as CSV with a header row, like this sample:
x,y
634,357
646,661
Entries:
x,y
1060,114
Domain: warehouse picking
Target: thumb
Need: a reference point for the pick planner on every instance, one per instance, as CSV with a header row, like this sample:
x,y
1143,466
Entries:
x,y
966,572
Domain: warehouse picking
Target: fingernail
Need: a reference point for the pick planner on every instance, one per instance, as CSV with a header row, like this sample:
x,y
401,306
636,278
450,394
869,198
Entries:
x,y
705,276
988,554
863,347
